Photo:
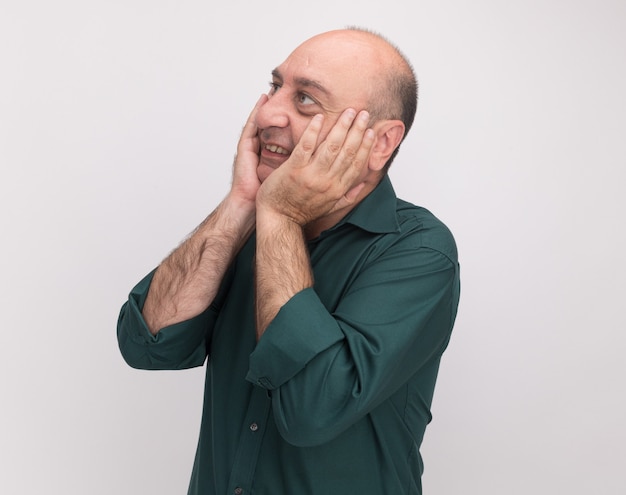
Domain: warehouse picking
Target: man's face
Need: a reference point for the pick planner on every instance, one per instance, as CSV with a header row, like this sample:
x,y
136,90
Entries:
x,y
325,76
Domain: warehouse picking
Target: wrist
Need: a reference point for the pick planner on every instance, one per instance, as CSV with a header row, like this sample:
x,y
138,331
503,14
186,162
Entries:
x,y
238,210
271,218
239,203
232,221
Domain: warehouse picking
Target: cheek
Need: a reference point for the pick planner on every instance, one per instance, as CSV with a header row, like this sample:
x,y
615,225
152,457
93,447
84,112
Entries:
x,y
299,131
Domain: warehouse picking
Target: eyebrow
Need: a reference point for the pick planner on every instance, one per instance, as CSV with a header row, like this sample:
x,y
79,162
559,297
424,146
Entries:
x,y
303,81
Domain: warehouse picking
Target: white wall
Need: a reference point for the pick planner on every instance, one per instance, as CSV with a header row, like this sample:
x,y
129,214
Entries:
x,y
118,122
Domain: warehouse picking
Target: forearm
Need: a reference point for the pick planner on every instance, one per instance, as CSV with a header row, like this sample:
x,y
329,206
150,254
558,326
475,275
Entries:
x,y
282,265
187,281
337,351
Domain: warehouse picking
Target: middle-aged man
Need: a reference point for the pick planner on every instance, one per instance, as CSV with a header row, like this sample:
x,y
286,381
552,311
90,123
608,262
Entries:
x,y
322,301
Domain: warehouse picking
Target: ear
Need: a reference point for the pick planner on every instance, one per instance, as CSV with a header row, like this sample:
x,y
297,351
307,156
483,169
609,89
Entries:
x,y
389,133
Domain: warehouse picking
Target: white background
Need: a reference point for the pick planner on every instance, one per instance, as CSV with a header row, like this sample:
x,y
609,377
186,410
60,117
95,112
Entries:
x,y
118,124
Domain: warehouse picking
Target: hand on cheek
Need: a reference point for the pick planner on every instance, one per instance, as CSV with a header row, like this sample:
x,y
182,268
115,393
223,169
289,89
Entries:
x,y
245,182
319,179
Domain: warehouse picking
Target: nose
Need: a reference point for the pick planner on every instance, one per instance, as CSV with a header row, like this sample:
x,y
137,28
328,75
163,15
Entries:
x,y
274,112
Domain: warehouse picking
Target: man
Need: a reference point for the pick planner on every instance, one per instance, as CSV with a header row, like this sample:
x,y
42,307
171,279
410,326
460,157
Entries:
x,y
322,301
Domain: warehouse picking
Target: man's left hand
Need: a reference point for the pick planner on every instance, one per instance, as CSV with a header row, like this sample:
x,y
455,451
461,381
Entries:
x,y
318,180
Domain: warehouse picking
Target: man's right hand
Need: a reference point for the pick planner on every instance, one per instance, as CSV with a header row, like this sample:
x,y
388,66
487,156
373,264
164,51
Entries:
x,y
246,183
188,279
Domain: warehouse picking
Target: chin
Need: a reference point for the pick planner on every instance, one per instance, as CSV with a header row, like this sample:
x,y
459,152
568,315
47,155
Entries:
x,y
263,172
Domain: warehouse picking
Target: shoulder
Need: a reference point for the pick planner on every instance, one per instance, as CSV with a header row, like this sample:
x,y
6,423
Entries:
x,y
420,228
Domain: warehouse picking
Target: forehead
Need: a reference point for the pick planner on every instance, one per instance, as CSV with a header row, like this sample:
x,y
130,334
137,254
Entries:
x,y
343,68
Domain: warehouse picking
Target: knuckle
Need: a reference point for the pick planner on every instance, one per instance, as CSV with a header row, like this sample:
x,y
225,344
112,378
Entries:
x,y
333,148
350,151
307,147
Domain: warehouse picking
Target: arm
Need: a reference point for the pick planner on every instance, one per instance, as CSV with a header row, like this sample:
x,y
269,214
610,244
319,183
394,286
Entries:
x,y
315,184
169,315
329,367
282,266
187,281
167,319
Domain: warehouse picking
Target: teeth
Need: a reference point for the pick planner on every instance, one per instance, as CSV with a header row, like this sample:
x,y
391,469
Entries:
x,y
276,149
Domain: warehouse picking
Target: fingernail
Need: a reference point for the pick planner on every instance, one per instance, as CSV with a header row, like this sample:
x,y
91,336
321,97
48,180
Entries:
x,y
364,116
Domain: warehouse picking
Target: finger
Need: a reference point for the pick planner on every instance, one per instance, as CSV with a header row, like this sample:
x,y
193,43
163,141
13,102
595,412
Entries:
x,y
355,147
350,179
349,198
332,145
352,194
353,162
250,128
301,154
354,157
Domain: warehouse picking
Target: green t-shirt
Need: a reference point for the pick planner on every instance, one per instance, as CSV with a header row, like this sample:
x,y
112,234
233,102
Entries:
x,y
336,395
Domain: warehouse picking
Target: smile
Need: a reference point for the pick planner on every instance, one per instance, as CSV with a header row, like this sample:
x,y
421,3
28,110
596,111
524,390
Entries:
x,y
276,149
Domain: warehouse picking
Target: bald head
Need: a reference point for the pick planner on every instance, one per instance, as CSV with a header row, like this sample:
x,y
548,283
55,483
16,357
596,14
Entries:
x,y
373,63
329,73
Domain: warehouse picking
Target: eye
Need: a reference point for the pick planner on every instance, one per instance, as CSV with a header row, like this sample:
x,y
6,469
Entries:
x,y
274,87
305,99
